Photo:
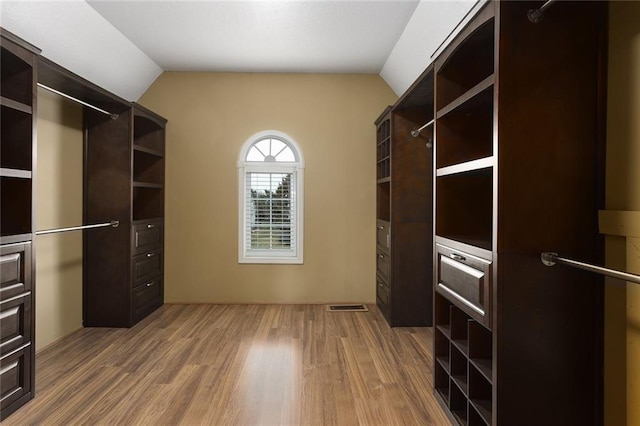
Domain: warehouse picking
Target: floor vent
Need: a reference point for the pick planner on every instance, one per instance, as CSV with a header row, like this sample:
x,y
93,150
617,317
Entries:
x,y
347,308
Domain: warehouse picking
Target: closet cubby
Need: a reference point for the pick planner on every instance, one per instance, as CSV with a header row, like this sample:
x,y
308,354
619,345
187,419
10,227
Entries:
x,y
16,206
466,133
147,167
470,64
16,81
148,202
16,130
464,207
148,134
519,120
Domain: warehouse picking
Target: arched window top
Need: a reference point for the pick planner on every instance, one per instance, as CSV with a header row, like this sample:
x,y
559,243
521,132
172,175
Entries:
x,y
270,147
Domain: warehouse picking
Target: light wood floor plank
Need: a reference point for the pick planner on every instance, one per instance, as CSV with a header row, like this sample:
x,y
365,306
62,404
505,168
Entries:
x,y
239,365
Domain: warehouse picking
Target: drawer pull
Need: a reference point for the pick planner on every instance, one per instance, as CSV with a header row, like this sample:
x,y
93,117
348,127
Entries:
x,y
457,257
150,254
381,256
149,284
151,226
381,227
380,285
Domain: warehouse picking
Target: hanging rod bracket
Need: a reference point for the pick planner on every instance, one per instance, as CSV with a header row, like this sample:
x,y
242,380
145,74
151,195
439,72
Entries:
x,y
114,116
537,15
548,258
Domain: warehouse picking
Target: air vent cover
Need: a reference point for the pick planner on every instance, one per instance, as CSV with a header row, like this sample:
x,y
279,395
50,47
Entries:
x,y
347,308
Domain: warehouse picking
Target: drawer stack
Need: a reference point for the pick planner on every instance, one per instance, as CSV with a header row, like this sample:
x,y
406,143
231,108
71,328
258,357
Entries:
x,y
16,331
146,268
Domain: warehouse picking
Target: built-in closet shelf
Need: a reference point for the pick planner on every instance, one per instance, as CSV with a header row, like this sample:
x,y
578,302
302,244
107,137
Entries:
x,y
149,151
18,106
445,329
483,407
444,362
384,180
468,166
463,345
15,173
469,97
147,220
148,185
484,367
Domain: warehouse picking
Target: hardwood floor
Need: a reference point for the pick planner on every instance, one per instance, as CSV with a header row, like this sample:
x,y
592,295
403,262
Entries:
x,y
239,365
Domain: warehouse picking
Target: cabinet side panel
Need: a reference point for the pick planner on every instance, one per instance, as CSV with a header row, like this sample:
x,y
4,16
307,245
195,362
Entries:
x,y
107,197
549,320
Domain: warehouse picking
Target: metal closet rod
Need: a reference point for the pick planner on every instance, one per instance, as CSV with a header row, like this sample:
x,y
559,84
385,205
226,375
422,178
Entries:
x,y
550,259
416,133
113,223
64,95
536,15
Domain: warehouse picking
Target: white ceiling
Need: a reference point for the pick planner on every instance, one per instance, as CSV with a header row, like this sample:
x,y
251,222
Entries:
x,y
327,36
123,46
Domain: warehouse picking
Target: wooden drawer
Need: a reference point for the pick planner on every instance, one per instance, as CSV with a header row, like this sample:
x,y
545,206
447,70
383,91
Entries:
x,y
147,236
15,376
383,235
465,280
147,266
15,323
15,270
383,265
382,292
147,297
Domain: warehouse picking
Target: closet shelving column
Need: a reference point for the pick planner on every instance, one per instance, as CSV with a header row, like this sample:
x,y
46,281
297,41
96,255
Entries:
x,y
518,167
405,207
18,100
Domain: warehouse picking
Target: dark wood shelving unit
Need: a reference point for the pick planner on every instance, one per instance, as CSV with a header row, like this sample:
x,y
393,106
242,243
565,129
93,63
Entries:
x,y
18,109
519,127
404,207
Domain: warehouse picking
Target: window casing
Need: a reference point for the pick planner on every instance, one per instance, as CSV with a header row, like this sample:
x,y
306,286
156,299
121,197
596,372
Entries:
x,y
271,177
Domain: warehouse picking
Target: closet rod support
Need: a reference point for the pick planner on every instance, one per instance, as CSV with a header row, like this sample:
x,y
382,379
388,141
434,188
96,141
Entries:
x,y
416,133
550,259
113,223
64,95
537,15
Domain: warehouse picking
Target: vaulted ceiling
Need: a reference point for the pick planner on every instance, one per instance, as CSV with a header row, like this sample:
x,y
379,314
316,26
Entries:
x,y
124,45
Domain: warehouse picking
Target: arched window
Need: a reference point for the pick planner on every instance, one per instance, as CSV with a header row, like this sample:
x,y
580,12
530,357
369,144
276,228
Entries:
x,y
271,176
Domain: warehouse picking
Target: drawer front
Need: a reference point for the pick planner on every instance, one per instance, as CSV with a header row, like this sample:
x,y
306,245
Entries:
x,y
15,270
146,266
147,236
147,292
466,281
15,323
383,235
382,292
15,376
383,263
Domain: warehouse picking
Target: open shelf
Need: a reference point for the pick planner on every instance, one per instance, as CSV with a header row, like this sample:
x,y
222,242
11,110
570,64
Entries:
x,y
464,207
383,201
148,134
480,349
147,168
16,128
458,403
442,382
480,394
468,65
442,349
466,132
15,194
16,82
148,203
459,369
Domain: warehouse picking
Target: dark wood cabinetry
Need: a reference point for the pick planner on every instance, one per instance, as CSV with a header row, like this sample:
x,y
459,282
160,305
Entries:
x,y
518,171
124,181
404,207
18,103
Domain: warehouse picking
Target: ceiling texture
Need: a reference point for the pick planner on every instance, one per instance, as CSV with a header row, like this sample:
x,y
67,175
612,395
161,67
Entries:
x,y
262,36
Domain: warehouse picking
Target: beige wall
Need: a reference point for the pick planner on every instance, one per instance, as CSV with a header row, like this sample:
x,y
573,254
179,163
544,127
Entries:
x,y
622,333
210,117
59,203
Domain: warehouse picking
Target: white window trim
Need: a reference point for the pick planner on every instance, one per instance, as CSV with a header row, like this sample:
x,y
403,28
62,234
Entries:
x,y
266,257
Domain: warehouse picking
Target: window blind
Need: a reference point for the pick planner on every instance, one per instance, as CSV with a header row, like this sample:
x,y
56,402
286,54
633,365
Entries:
x,y
270,222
